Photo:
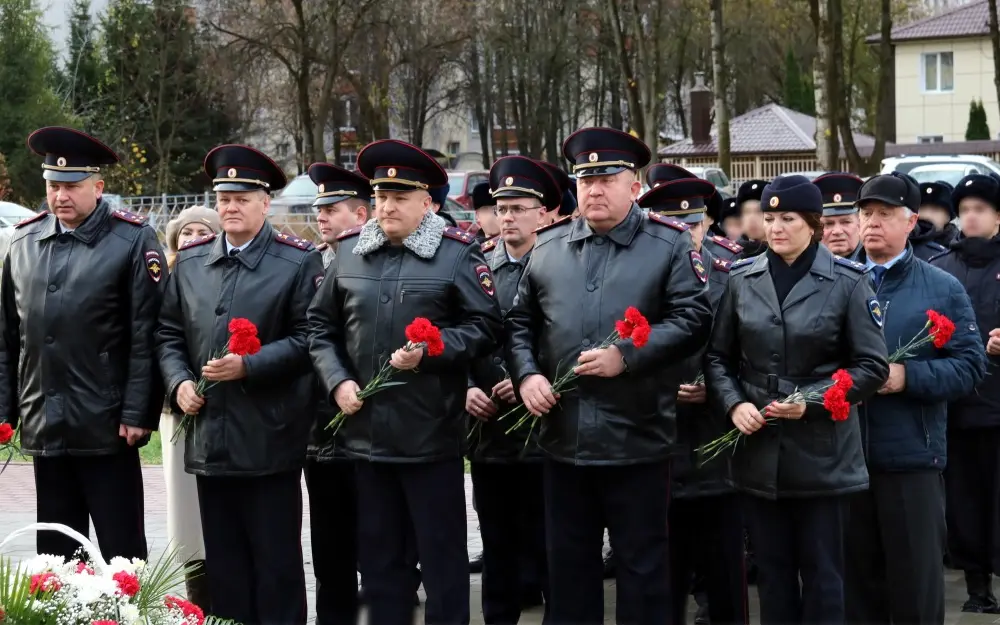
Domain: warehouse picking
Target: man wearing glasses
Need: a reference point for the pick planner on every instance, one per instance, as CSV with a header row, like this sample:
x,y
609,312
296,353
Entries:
x,y
506,468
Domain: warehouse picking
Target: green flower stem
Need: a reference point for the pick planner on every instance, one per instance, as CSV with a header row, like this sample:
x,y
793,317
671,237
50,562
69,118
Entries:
x,y
381,381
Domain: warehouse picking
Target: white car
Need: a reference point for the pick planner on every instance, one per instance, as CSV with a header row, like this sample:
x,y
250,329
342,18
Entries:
x,y
10,215
906,164
946,172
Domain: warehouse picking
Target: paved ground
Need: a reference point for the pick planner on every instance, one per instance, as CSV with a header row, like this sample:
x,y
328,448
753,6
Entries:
x,y
17,486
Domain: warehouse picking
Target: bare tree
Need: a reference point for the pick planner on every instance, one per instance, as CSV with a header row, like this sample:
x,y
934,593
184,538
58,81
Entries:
x,y
825,81
719,80
995,43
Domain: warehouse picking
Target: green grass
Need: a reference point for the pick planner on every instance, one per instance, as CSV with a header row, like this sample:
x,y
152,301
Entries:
x,y
152,453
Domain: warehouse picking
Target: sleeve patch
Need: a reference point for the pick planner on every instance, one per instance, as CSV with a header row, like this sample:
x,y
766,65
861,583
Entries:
x,y
668,221
699,266
875,310
154,265
458,234
132,218
318,280
485,278
31,220
349,232
199,241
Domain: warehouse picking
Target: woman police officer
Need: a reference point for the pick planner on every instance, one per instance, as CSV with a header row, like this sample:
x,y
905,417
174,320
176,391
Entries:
x,y
788,320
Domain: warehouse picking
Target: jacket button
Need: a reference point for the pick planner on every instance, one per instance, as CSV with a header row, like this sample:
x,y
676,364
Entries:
x,y
49,340
776,320
591,287
384,299
53,288
775,358
586,342
497,360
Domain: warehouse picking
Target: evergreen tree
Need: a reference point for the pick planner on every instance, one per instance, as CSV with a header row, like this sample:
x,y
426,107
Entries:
x,y
799,95
977,129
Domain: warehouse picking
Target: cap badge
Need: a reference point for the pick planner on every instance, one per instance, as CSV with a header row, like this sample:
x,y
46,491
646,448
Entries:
x,y
837,197
322,188
61,161
232,172
930,191
968,183
685,204
753,186
774,202
593,157
391,172
509,181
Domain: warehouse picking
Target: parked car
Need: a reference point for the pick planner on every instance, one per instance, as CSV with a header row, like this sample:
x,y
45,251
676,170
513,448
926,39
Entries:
x,y
10,215
462,183
811,174
946,172
906,164
717,177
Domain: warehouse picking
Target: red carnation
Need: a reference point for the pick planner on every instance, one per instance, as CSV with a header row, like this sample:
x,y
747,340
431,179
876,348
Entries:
x,y
128,584
81,567
244,344
835,397
104,623
843,379
421,330
634,327
6,433
44,582
240,325
941,328
640,336
193,615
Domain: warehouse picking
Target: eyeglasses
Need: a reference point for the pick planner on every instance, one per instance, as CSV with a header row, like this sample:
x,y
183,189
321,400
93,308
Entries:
x,y
516,211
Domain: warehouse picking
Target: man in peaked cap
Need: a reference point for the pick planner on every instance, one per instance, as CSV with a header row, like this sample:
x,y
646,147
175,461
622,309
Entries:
x,y
483,203
607,444
567,202
720,246
841,224
439,196
706,529
81,290
751,218
407,440
506,468
934,231
342,202
972,477
247,441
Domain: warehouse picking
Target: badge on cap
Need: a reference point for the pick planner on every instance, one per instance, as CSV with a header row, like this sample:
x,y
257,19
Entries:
x,y
774,202
968,183
231,173
593,157
931,191
322,188
753,186
485,278
685,204
698,266
875,310
61,161
837,197
509,181
391,173
153,265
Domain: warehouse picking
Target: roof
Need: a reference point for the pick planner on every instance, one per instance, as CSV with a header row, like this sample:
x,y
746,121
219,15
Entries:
x,y
967,20
770,129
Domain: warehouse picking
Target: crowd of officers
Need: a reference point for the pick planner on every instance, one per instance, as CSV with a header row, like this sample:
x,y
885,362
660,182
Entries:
x,y
748,300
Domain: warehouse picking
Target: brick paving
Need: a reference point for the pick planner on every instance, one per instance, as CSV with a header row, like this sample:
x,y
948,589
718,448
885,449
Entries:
x,y
19,510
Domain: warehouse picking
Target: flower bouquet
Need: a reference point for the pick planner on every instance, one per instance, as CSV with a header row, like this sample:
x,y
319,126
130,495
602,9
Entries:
x,y
48,590
634,326
243,341
421,333
939,330
8,434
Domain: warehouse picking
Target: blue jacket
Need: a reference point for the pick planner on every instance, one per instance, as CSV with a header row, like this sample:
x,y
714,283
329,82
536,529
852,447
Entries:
x,y
906,431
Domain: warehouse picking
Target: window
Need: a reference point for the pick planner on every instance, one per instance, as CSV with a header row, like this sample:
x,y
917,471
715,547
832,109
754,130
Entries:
x,y
454,147
474,123
938,69
930,139
281,150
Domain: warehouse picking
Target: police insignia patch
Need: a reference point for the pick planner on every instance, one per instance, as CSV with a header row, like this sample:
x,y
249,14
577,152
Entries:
x,y
153,265
318,280
699,267
485,278
875,310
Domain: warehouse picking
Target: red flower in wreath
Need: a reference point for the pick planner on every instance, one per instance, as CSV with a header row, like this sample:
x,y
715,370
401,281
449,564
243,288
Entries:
x,y
942,328
128,584
193,615
44,582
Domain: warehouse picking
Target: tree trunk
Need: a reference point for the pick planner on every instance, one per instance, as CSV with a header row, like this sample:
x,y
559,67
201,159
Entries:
x,y
826,118
635,112
719,81
995,41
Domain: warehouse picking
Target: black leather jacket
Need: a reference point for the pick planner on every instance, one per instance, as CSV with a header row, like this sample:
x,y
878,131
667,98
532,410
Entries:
x,y
490,442
576,285
928,241
696,424
372,291
761,351
258,425
77,316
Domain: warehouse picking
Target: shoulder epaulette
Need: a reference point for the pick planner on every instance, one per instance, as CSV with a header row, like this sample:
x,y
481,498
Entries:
x,y
743,262
349,232
132,218
850,264
458,234
31,220
730,245
294,241
668,221
489,244
199,241
559,222
722,265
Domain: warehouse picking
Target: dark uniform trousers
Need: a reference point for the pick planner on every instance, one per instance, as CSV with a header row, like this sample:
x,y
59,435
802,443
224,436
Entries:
x,y
333,525
403,503
895,550
972,484
253,547
510,503
799,538
706,541
72,490
632,502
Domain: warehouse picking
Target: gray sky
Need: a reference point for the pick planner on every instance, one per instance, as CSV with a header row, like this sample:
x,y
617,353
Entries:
x,y
56,17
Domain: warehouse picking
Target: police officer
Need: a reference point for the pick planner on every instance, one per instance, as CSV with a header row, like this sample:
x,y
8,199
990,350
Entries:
x,y
934,231
567,201
439,197
483,204
408,439
841,224
789,319
608,441
751,218
342,202
506,468
718,245
729,219
81,289
706,527
972,478
250,430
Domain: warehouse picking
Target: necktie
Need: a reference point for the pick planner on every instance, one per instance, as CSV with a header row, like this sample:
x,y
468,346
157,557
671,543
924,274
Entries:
x,y
878,272
234,252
